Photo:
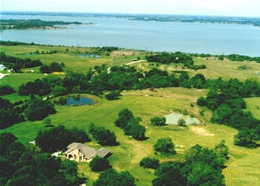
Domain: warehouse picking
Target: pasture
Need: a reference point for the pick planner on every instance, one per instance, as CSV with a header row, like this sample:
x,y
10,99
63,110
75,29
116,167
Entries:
x,y
243,164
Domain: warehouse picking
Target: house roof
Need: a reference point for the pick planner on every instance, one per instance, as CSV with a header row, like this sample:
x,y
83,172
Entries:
x,y
87,151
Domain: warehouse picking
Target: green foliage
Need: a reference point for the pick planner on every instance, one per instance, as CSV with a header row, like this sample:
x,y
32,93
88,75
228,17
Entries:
x,y
99,164
102,135
158,121
38,109
130,124
47,122
20,166
169,174
222,150
181,122
10,114
17,63
59,90
53,67
111,177
58,138
113,95
148,162
6,89
164,146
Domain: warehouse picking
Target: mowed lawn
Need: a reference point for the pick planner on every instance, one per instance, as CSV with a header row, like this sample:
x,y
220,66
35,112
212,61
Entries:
x,y
146,104
253,105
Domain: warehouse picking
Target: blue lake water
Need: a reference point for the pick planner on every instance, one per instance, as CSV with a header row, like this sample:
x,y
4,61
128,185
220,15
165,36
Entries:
x,y
80,101
152,36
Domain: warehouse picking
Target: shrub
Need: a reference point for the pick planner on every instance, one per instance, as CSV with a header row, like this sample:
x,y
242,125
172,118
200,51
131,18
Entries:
x,y
149,163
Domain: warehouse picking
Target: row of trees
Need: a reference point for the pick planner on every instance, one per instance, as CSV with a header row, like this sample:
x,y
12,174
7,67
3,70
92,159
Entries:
x,y
130,124
17,63
24,165
31,23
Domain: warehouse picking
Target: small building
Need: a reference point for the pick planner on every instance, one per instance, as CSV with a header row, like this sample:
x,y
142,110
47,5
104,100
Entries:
x,y
82,153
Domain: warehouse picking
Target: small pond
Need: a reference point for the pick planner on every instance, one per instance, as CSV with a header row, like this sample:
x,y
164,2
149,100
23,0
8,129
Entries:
x,y
79,101
173,118
89,55
74,101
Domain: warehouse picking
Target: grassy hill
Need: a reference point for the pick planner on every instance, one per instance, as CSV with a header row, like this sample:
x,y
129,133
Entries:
x,y
243,165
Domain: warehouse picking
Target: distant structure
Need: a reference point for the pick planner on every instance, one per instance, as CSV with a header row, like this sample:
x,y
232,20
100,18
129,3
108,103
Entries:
x,y
82,153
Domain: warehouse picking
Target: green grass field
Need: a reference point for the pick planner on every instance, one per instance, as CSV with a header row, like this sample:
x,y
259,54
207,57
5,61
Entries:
x,y
253,105
243,165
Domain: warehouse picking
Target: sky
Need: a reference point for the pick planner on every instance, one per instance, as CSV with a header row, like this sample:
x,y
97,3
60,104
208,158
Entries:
x,y
245,8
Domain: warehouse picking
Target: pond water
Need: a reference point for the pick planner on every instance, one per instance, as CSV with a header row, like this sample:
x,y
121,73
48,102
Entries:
x,y
173,118
79,101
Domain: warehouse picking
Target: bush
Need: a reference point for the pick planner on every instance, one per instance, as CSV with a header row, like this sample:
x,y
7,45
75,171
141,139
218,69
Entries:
x,y
149,163
158,121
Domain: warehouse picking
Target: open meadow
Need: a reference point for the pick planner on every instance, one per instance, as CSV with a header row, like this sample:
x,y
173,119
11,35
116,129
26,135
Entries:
x,y
243,165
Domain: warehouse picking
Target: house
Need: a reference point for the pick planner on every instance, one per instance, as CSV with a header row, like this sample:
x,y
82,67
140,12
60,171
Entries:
x,y
82,153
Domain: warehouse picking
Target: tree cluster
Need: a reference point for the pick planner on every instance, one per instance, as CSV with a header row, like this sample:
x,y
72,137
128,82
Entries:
x,y
38,109
53,67
130,124
16,63
102,135
113,95
22,165
99,164
158,121
111,177
225,99
177,57
58,138
6,89
202,166
10,113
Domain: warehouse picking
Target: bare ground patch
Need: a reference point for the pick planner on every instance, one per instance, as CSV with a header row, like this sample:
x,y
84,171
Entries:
x,y
200,131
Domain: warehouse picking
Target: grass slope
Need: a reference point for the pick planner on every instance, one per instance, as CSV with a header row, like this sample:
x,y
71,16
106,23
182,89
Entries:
x,y
129,153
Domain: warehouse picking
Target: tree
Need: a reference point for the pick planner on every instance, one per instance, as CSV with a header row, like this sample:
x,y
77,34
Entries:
x,y
158,121
111,177
221,150
169,174
113,95
148,162
47,122
181,122
138,132
59,90
6,89
99,164
123,117
164,146
102,135
38,109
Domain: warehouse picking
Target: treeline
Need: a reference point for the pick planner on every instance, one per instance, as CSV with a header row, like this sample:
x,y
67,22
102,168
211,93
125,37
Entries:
x,y
33,109
225,99
31,23
121,78
14,43
17,63
26,165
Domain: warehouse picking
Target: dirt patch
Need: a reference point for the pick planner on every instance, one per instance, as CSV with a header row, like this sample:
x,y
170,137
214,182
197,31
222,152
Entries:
x,y
58,73
120,53
200,131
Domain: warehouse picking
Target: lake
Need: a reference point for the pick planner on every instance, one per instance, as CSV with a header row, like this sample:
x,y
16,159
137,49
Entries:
x,y
143,35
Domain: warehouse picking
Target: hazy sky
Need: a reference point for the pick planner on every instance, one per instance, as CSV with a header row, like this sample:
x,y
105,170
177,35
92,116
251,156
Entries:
x,y
190,7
